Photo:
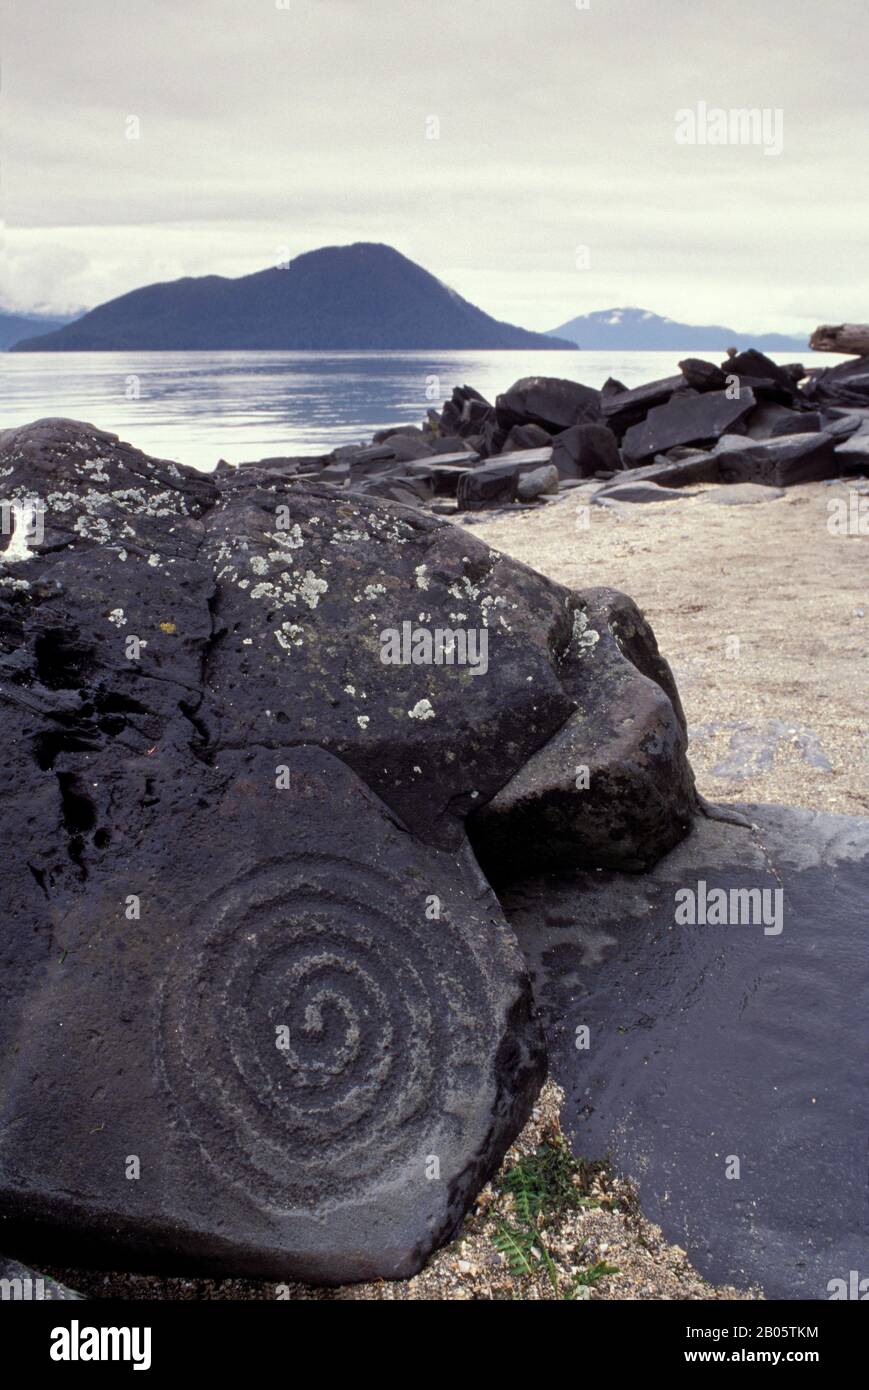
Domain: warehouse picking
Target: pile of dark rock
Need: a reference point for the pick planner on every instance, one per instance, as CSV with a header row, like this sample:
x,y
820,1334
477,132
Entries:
x,y
745,420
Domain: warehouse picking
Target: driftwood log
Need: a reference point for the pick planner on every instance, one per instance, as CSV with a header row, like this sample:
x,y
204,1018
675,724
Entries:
x,y
841,337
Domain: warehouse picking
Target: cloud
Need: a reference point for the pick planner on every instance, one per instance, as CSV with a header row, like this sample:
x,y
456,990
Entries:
x,y
262,127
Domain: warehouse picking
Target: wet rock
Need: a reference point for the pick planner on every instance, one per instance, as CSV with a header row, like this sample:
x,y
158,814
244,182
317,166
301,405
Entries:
x,y
550,402
710,1043
700,419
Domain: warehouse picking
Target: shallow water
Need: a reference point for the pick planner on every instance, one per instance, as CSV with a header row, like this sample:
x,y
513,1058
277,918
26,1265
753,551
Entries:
x,y
197,407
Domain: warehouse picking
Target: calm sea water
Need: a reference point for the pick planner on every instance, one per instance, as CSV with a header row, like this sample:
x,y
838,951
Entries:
x,y
198,407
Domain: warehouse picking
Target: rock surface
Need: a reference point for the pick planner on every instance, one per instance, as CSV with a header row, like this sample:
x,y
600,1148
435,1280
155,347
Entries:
x,y
711,1043
686,420
232,795
312,1073
613,785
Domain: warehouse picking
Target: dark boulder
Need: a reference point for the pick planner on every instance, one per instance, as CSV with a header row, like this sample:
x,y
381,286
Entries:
x,y
526,437
235,804
846,384
495,484
769,419
700,419
758,373
780,462
852,455
550,402
537,482
613,785
622,409
584,450
326,1056
703,376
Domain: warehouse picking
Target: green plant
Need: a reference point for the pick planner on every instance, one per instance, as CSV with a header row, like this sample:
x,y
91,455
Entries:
x,y
544,1186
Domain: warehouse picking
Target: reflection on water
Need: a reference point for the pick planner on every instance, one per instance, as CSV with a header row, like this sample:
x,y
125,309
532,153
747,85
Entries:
x,y
202,406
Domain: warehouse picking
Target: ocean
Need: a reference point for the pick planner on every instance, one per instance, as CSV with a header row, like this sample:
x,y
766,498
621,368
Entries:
x,y
198,407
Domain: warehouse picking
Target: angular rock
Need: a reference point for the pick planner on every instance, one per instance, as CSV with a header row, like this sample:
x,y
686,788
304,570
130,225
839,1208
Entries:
x,y
703,376
443,473
584,450
523,437
758,373
537,482
287,466
628,734
852,456
495,483
701,419
396,487
780,462
691,466
769,419
847,384
447,444
621,409
550,402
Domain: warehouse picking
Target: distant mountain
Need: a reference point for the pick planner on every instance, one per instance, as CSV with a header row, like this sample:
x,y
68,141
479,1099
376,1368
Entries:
x,y
341,298
639,330
15,326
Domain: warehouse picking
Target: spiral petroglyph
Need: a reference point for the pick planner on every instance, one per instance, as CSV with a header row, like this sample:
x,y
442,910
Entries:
x,y
380,1008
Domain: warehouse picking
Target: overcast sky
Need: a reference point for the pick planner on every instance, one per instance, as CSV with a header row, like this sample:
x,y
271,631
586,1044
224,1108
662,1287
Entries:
x,y
263,128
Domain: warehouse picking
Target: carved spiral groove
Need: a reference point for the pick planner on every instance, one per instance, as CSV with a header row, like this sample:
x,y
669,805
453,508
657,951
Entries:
x,y
378,1007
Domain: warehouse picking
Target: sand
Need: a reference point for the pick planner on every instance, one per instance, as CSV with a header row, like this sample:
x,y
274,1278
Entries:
x,y
762,614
